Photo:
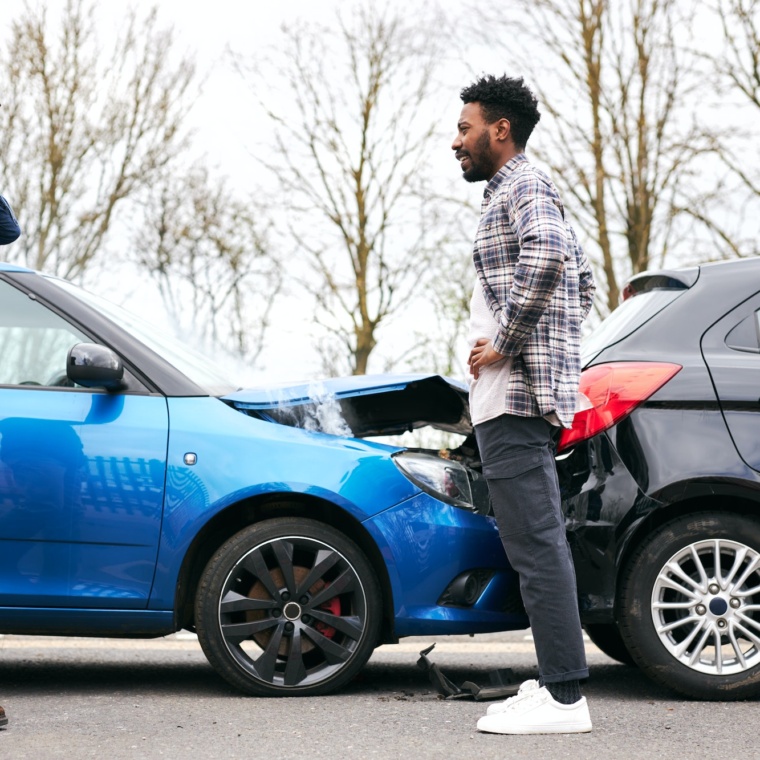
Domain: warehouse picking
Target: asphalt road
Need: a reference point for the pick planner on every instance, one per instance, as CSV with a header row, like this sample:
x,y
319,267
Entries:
x,y
99,698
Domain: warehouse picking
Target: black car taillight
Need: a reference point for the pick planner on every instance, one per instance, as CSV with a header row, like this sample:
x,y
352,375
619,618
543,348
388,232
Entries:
x,y
612,391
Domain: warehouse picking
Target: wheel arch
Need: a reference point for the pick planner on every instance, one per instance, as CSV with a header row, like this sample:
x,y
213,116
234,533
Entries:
x,y
739,500
249,511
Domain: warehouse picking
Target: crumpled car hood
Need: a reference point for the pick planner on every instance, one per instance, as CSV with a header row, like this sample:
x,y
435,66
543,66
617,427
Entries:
x,y
368,404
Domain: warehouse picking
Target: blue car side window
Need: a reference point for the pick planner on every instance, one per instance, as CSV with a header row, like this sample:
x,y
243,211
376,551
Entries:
x,y
34,341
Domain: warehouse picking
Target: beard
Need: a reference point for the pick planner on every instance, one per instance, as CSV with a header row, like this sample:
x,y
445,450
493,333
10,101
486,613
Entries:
x,y
481,160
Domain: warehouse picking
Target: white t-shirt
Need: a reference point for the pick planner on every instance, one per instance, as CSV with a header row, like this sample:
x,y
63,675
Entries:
x,y
489,392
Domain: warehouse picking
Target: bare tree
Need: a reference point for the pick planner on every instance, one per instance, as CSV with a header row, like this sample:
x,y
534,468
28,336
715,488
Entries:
x,y
84,128
349,159
740,22
209,254
447,289
730,209
621,142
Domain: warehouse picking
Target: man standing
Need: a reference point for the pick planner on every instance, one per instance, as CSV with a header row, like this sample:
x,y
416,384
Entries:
x,y
9,231
533,289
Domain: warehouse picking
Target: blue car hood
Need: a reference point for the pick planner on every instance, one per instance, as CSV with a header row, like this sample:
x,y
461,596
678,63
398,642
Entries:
x,y
368,404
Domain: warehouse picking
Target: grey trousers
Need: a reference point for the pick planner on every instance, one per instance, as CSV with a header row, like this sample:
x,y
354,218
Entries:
x,y
518,463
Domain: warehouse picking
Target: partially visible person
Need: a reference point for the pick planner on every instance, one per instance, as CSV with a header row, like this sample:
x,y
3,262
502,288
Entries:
x,y
533,289
9,231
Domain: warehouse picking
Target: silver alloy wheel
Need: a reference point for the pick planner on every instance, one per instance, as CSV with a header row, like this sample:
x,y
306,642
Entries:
x,y
706,606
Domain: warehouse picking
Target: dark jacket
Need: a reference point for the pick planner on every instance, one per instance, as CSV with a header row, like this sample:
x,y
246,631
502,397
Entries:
x,y
9,229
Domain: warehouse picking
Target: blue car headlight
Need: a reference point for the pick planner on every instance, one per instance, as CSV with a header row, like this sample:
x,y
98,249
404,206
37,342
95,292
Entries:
x,y
445,479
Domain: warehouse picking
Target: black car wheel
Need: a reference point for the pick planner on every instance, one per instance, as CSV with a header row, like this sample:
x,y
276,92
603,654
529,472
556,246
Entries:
x,y
288,607
606,636
690,606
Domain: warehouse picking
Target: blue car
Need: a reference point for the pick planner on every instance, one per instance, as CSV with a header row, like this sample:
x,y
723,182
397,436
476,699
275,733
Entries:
x,y
293,529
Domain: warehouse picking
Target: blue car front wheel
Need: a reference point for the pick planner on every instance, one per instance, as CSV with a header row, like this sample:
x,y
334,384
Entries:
x,y
288,607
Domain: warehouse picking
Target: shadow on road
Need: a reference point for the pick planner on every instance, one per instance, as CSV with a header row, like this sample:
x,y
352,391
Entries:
x,y
80,678
41,673
408,681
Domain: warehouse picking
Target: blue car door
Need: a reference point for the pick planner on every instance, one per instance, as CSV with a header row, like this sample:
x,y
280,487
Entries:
x,y
81,473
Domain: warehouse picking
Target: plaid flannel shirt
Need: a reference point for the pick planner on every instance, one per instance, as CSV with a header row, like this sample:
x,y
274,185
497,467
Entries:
x,y
538,284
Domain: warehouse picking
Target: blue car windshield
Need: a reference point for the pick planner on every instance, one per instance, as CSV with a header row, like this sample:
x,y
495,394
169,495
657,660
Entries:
x,y
192,363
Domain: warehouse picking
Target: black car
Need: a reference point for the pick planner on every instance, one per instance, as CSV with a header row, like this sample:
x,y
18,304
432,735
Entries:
x,y
660,477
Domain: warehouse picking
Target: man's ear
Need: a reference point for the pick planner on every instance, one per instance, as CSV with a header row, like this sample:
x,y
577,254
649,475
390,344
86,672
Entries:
x,y
503,130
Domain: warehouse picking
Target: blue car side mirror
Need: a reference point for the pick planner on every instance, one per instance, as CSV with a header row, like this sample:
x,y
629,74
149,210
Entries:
x,y
94,366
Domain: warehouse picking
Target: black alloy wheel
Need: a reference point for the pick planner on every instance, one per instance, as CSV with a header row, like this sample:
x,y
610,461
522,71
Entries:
x,y
288,607
690,606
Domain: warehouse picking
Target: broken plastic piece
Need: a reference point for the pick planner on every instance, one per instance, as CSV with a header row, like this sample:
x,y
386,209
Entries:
x,y
502,682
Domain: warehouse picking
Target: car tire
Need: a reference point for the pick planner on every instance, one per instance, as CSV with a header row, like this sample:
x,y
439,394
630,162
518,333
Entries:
x,y
690,606
288,607
606,636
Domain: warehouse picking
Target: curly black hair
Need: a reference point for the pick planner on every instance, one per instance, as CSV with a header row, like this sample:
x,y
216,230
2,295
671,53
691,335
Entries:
x,y
505,98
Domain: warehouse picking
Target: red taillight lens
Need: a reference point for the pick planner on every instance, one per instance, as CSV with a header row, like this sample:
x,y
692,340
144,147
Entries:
x,y
613,391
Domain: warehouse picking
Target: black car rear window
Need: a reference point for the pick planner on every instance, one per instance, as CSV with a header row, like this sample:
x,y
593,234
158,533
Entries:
x,y
627,318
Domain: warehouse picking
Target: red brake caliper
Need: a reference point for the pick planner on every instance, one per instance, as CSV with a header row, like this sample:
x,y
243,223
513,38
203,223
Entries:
x,y
333,607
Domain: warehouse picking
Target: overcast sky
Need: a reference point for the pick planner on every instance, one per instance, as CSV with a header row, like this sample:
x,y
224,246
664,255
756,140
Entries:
x,y
227,126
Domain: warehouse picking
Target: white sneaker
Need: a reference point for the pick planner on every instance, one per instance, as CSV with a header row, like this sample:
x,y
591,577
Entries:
x,y
537,712
525,688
